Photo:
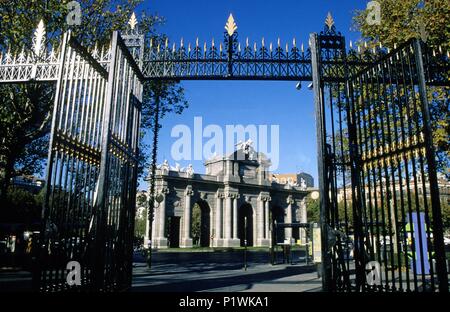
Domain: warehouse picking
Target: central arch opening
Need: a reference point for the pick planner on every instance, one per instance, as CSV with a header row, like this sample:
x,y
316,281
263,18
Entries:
x,y
201,226
278,217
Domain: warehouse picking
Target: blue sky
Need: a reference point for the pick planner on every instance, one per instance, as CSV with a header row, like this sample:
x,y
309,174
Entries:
x,y
243,102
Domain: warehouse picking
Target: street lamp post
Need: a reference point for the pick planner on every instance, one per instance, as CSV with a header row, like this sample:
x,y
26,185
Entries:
x,y
245,243
151,206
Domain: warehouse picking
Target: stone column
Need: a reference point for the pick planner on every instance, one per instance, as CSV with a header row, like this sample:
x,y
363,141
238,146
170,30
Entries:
x,y
260,218
187,240
288,231
263,220
154,224
147,226
219,219
161,239
230,240
235,216
303,219
228,211
266,219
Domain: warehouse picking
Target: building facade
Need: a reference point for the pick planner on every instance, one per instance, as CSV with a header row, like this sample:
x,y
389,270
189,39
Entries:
x,y
237,202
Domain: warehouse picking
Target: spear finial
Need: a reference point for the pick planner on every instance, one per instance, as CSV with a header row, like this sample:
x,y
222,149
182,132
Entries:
x,y
231,26
133,21
329,21
39,38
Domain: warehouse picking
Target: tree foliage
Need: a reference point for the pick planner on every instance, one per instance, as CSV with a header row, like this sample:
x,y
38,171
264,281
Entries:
x,y
196,224
25,110
21,206
313,209
428,20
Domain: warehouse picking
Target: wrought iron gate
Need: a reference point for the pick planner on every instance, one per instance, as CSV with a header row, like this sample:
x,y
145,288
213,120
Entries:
x,y
378,170
377,173
92,170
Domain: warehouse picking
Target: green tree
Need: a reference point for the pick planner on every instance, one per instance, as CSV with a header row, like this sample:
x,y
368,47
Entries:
x,y
406,19
25,112
140,225
22,206
196,224
312,209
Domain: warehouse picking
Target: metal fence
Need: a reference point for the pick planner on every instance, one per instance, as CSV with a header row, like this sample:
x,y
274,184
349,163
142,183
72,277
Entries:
x,y
380,210
92,171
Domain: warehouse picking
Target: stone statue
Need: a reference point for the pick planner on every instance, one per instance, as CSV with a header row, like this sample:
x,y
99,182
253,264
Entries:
x,y
290,182
303,184
190,171
165,168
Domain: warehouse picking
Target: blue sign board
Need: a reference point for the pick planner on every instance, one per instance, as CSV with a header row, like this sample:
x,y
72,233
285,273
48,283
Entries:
x,y
420,244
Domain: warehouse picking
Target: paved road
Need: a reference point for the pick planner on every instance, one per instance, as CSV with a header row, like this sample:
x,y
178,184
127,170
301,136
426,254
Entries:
x,y
206,271
221,271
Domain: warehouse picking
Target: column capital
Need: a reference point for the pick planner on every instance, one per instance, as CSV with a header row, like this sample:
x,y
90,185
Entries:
x,y
163,191
189,191
290,200
233,195
264,196
220,194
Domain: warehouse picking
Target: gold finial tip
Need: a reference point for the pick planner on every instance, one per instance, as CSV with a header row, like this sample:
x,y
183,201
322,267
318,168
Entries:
x,y
133,21
329,21
231,26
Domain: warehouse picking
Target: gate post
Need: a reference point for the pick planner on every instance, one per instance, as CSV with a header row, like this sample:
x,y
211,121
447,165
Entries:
x,y
321,154
432,176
